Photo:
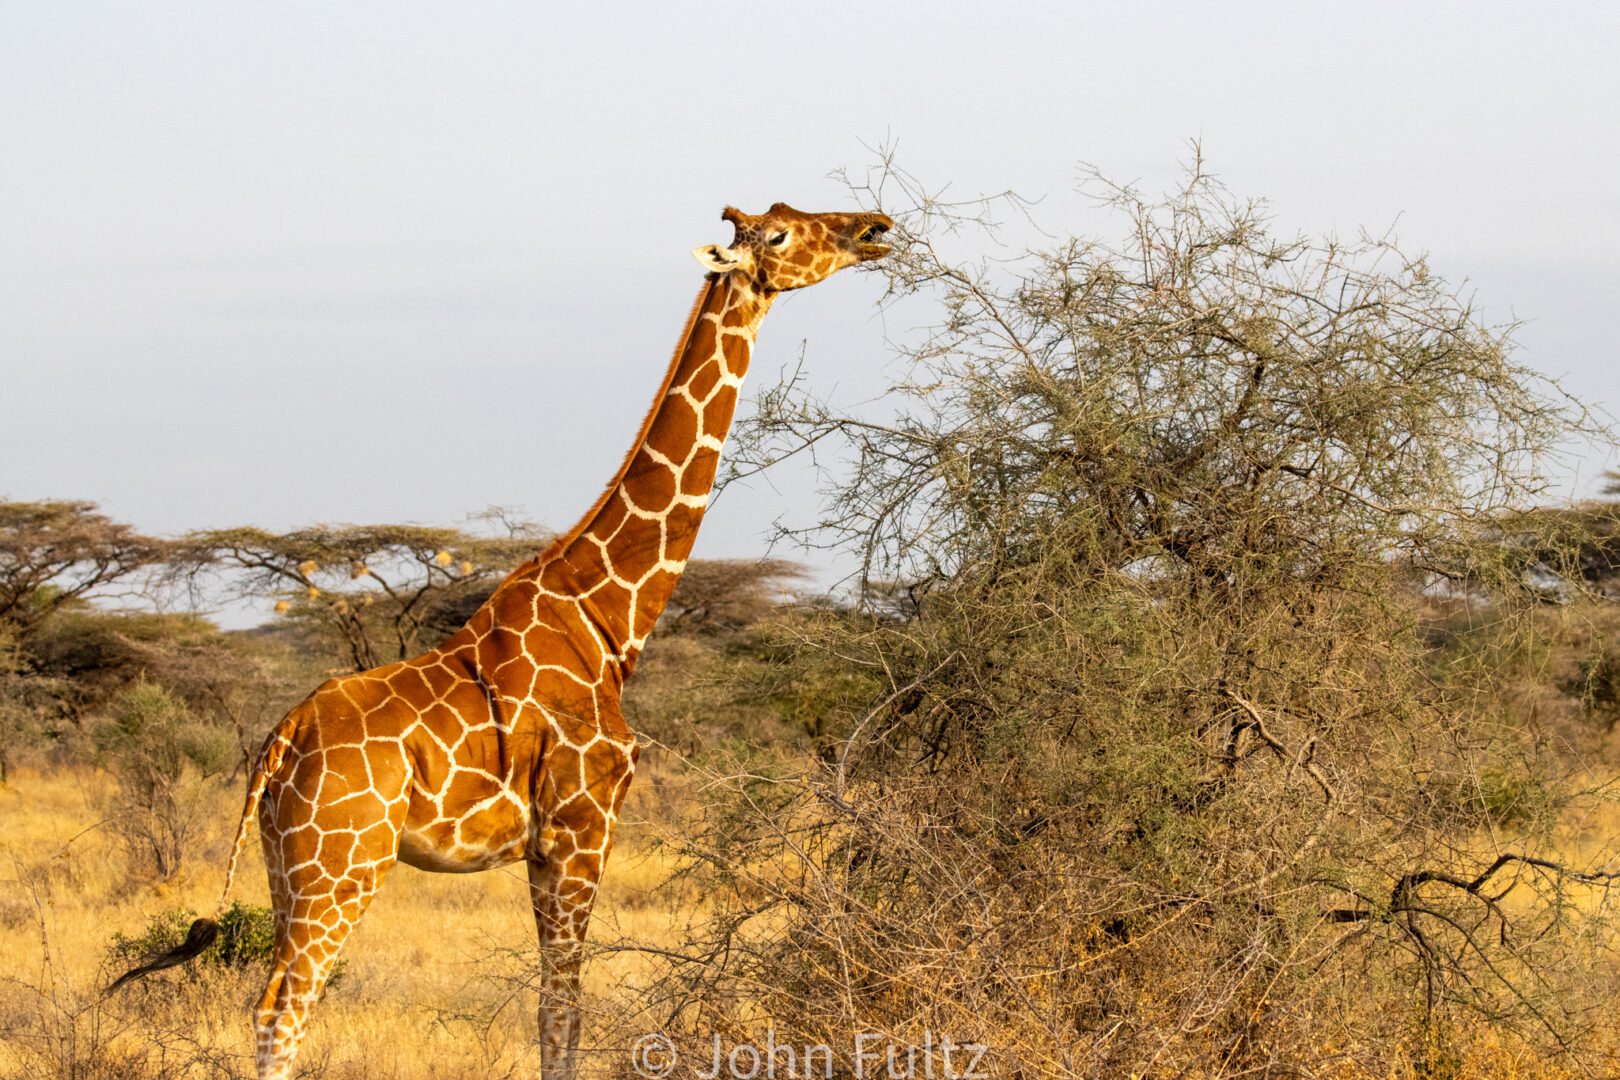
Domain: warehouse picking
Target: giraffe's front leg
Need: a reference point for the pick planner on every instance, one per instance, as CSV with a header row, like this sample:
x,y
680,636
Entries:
x,y
564,874
562,907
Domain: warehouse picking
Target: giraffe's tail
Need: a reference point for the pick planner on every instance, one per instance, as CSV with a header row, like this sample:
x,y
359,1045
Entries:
x,y
199,937
204,931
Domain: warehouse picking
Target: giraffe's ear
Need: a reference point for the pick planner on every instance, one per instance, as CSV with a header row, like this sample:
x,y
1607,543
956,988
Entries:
x,y
721,260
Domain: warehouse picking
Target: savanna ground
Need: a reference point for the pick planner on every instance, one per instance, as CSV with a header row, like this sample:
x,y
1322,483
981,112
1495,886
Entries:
x,y
430,988
1221,694
432,985
437,980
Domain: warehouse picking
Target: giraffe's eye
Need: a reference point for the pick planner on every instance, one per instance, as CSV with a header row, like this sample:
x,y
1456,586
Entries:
x,y
778,240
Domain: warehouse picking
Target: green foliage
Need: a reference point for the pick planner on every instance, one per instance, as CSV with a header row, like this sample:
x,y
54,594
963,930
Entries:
x,y
151,738
740,676
247,935
246,940
21,724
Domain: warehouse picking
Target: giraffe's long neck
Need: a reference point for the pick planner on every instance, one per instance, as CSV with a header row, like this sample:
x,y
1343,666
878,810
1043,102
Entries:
x,y
624,557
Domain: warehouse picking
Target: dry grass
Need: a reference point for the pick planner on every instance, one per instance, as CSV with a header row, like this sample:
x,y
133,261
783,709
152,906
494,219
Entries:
x,y
432,986
436,976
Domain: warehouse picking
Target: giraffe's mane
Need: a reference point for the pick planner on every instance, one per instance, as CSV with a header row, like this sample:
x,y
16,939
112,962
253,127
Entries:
x,y
560,544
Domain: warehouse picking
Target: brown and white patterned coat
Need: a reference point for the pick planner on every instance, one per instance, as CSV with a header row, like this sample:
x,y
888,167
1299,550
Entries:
x,y
505,743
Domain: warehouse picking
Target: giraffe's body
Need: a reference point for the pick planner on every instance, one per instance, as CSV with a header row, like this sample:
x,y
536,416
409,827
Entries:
x,y
505,742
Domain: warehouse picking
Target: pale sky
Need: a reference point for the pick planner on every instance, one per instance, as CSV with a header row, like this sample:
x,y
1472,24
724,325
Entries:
x,y
300,262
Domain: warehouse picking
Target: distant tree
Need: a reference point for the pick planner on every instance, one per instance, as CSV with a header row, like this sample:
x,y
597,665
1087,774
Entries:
x,y
54,555
383,591
723,596
1590,530
55,552
88,657
18,720
98,654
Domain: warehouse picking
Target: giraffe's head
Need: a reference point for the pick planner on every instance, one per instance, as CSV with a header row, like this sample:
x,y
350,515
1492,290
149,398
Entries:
x,y
784,248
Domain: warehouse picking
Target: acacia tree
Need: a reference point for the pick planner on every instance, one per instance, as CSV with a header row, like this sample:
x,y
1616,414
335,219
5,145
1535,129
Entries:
x,y
53,556
384,591
56,552
1166,748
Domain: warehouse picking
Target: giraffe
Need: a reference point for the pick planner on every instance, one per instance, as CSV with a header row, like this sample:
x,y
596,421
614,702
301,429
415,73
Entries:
x,y
505,743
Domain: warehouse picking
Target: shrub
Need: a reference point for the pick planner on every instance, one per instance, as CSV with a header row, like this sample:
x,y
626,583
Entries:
x,y
246,941
1159,769
160,755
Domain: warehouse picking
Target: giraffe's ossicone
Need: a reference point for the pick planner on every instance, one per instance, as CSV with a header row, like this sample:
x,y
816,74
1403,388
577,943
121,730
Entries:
x,y
505,742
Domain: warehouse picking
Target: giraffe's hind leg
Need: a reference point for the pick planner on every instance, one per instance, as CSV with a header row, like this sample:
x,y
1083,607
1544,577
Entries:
x,y
325,865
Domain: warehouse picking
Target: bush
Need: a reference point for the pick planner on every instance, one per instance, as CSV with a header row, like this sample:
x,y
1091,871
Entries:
x,y
160,755
246,941
1160,767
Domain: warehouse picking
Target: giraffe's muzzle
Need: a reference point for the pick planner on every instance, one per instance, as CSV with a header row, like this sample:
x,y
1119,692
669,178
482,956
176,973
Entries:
x,y
866,241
